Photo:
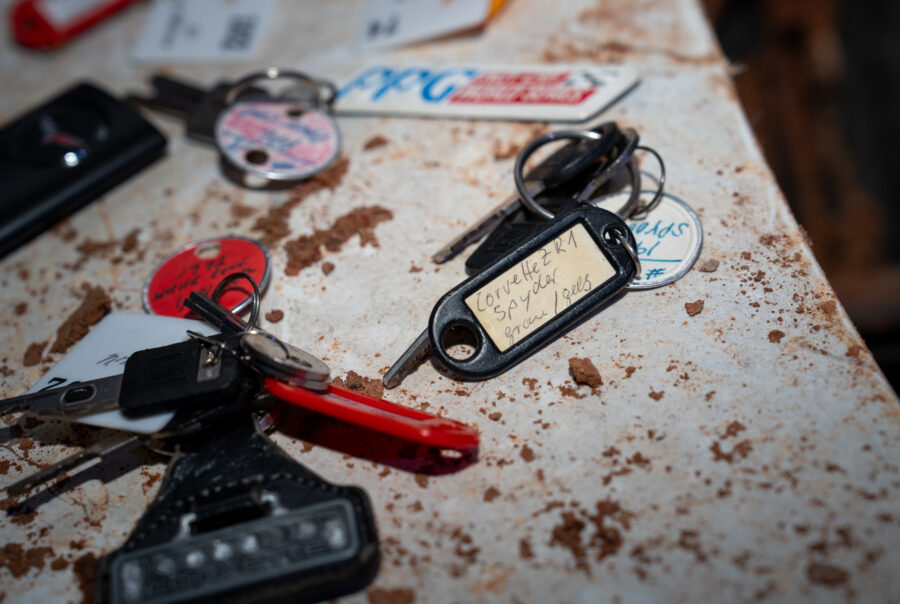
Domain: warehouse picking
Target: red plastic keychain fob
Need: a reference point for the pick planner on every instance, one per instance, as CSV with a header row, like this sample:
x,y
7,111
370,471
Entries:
x,y
51,23
379,415
200,266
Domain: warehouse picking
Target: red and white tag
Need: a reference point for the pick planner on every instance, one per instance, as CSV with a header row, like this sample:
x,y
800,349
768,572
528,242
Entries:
x,y
200,266
50,23
555,93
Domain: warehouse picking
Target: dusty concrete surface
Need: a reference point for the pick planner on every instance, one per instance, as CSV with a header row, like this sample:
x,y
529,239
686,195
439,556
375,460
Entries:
x,y
747,450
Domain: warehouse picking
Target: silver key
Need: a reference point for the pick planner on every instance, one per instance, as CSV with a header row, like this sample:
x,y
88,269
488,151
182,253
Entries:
x,y
408,361
115,444
270,355
75,400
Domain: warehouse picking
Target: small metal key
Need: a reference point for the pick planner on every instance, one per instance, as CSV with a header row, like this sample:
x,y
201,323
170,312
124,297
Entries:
x,y
162,379
155,380
265,352
534,294
273,139
564,165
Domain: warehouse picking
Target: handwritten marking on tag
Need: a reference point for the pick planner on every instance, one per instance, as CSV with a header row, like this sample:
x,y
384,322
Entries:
x,y
543,285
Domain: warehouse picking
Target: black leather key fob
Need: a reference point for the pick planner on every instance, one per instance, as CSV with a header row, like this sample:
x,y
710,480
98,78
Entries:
x,y
237,520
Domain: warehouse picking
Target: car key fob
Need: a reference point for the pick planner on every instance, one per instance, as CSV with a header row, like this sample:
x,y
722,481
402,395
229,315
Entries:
x,y
65,153
237,520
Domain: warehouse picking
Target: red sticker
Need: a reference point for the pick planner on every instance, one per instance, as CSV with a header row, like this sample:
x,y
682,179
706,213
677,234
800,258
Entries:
x,y
200,266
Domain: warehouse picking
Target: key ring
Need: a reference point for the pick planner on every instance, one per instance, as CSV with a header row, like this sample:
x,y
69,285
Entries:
x,y
253,321
615,236
276,73
533,146
641,212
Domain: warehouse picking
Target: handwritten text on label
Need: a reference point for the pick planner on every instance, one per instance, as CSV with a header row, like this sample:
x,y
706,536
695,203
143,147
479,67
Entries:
x,y
541,286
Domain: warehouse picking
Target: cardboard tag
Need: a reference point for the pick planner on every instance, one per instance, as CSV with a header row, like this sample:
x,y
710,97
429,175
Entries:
x,y
103,352
204,30
555,93
540,287
396,22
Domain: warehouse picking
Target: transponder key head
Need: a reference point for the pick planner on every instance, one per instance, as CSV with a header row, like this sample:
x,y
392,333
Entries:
x,y
188,374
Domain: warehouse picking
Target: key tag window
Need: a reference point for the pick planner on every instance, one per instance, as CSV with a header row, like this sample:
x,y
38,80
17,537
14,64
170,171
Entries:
x,y
286,137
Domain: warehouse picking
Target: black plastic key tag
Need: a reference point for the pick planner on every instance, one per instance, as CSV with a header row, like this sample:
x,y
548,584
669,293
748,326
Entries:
x,y
246,525
536,293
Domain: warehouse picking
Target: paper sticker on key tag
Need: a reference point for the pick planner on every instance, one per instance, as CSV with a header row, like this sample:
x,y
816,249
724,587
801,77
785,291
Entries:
x,y
279,139
103,352
200,266
669,239
536,293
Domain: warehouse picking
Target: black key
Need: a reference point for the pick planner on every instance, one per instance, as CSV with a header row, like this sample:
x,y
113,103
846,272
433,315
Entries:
x,y
250,525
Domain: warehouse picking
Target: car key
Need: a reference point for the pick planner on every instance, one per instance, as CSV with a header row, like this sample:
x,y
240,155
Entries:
x,y
272,139
187,420
250,526
155,380
265,352
523,223
562,166
534,294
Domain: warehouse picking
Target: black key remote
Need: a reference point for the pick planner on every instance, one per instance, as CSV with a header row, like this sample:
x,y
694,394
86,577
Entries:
x,y
237,520
65,153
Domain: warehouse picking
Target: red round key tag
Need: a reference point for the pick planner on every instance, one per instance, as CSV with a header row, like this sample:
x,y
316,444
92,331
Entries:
x,y
200,266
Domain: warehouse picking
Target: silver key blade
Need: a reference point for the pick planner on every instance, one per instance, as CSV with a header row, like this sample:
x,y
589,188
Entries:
x,y
408,361
75,400
215,314
484,225
285,361
110,446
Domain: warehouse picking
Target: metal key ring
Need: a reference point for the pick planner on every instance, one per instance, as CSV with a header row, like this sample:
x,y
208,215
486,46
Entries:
x,y
619,239
533,146
641,212
276,73
253,321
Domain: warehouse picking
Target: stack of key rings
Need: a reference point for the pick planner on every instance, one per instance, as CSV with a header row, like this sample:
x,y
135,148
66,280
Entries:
x,y
269,355
623,159
280,139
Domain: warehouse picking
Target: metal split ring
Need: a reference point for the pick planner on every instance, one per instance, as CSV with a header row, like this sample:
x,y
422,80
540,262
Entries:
x,y
253,321
641,212
529,149
276,73
620,239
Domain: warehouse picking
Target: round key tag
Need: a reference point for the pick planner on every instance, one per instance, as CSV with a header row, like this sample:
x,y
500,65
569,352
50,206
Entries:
x,y
200,266
669,238
279,138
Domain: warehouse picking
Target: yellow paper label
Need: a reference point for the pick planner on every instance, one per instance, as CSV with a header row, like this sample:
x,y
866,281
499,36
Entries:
x,y
540,287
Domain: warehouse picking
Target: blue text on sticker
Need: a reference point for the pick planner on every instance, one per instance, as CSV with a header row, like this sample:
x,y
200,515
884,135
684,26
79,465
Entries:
x,y
435,84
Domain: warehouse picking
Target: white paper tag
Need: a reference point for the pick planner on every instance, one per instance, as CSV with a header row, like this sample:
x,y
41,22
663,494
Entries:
x,y
210,30
668,243
103,352
396,22
556,93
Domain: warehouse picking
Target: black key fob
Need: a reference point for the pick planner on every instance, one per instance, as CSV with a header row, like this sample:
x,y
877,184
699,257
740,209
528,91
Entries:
x,y
236,520
534,294
519,226
65,153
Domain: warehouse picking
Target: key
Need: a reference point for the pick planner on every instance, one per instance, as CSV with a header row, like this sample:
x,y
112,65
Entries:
x,y
565,164
251,525
534,294
154,381
271,138
265,352
158,379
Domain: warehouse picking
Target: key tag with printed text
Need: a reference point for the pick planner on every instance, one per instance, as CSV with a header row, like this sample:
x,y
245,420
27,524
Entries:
x,y
281,138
